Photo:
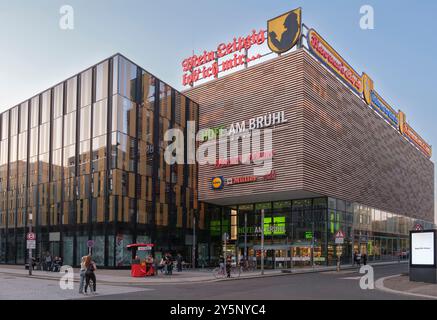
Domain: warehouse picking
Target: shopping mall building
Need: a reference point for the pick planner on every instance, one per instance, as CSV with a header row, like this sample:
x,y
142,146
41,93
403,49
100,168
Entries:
x,y
86,159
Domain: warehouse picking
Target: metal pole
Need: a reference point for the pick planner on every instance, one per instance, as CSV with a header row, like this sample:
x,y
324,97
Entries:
x,y
312,245
245,237
225,249
262,242
194,243
30,250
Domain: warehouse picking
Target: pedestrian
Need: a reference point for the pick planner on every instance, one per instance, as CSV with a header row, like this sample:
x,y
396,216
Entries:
x,y
355,259
57,264
359,259
222,264
159,264
364,258
169,264
82,274
48,262
90,274
228,266
179,262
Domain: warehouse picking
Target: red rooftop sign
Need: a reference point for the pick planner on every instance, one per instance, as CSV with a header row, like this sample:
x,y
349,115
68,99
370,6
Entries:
x,y
206,65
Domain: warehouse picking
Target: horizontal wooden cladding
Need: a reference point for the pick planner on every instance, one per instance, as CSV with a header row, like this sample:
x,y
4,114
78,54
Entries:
x,y
352,153
269,87
333,143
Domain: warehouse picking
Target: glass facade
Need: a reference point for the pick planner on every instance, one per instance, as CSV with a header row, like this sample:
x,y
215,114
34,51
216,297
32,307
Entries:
x,y
300,233
86,158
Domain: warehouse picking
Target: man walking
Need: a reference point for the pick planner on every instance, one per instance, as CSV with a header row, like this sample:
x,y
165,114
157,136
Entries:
x,y
179,262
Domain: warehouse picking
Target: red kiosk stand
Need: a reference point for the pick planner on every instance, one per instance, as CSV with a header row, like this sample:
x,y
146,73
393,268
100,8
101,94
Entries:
x,y
141,269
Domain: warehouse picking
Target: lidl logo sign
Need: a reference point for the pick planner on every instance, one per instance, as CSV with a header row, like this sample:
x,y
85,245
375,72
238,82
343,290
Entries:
x,y
218,183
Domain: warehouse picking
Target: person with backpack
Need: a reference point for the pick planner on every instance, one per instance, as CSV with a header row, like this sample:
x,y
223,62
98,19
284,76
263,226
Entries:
x,y
90,266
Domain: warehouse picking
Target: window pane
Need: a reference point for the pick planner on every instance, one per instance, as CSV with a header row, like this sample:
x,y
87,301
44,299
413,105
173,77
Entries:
x,y
85,88
45,107
57,136
34,112
33,142
58,102
22,146
5,125
102,81
24,112
85,123
100,118
13,149
14,121
71,95
70,129
44,138
123,116
127,74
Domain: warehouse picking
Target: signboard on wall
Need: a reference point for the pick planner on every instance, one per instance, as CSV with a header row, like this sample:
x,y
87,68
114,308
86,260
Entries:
x,y
330,58
283,34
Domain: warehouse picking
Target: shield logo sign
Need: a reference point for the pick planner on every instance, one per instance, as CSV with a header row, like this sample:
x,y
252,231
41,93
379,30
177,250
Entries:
x,y
284,31
368,88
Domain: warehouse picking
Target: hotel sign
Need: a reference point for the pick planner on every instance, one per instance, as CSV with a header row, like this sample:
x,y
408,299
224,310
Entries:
x,y
328,56
268,120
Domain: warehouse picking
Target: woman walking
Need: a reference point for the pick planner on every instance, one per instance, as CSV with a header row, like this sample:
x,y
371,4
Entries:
x,y
89,274
82,274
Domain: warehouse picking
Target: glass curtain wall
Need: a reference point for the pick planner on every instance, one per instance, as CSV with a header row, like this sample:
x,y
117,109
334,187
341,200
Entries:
x,y
301,233
86,158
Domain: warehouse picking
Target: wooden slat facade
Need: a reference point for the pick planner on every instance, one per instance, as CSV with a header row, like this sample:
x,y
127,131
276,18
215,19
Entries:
x,y
333,144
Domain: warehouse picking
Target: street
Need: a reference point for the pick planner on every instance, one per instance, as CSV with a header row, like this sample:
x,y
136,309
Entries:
x,y
325,285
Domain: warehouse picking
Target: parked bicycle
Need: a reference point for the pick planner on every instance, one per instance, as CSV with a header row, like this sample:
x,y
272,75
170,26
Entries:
x,y
248,266
220,272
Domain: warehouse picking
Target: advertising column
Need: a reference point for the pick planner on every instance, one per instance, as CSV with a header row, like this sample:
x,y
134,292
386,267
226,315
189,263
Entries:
x,y
423,266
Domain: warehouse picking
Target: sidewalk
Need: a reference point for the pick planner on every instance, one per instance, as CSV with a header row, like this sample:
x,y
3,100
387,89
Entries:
x,y
401,284
122,277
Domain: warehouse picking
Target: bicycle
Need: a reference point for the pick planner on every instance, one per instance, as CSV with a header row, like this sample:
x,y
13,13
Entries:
x,y
248,267
220,272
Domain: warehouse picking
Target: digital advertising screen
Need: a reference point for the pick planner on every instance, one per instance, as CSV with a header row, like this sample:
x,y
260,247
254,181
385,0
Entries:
x,y
422,249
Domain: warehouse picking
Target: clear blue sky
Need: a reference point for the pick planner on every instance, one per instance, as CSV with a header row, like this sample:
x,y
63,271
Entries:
x,y
399,54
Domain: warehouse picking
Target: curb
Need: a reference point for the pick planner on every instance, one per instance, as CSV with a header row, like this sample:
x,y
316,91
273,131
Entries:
x,y
379,284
